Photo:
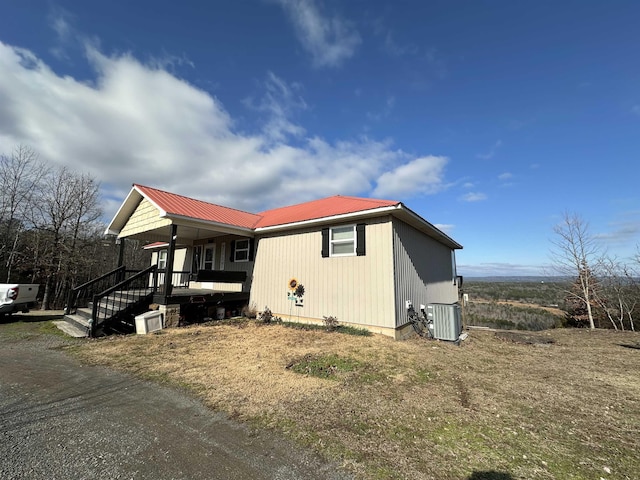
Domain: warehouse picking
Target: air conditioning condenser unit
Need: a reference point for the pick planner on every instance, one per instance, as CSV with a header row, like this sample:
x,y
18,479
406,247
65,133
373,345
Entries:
x,y
447,321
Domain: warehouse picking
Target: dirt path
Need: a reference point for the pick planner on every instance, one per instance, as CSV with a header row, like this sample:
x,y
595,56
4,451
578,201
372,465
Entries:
x,y
59,419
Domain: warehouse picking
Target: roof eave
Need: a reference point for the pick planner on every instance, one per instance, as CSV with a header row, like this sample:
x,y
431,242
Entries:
x,y
127,207
218,226
330,219
428,228
399,210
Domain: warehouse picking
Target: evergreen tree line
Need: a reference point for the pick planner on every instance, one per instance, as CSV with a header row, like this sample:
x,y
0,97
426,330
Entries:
x,y
51,228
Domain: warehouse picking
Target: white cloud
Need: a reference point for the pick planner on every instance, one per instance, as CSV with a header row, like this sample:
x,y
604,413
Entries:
x,y
505,176
623,230
445,227
60,21
468,185
423,175
329,40
473,197
138,123
385,111
279,101
492,152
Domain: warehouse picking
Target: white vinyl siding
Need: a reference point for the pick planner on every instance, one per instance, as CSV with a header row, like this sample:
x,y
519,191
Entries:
x,y
422,270
144,219
355,289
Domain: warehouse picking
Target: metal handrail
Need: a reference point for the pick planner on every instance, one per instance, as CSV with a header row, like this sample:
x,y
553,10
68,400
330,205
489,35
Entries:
x,y
117,303
76,292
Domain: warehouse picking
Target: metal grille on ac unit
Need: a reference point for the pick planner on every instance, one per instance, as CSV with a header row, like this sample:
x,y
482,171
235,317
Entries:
x,y
447,324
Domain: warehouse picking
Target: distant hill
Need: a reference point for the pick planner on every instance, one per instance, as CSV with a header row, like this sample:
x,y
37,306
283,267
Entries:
x,y
533,279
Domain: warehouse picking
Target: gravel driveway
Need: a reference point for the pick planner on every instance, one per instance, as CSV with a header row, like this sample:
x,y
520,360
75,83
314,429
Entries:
x,y
62,420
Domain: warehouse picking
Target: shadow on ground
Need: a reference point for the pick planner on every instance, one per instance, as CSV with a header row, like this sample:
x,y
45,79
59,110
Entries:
x,y
32,317
490,475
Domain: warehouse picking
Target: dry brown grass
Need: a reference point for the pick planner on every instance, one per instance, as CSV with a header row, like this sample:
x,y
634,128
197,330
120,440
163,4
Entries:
x,y
416,409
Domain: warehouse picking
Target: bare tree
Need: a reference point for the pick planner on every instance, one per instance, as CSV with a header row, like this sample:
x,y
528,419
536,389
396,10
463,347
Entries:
x,y
611,296
619,296
66,206
574,254
20,174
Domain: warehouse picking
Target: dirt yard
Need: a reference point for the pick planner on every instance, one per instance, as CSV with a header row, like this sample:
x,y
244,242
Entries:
x,y
564,405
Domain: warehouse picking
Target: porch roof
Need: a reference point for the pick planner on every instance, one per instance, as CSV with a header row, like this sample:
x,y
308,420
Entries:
x,y
197,219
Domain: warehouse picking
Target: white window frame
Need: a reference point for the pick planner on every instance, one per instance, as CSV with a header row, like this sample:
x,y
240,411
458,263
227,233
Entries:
x,y
353,240
162,259
238,249
212,247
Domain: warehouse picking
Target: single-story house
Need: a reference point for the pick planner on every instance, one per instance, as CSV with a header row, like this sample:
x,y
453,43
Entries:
x,y
357,259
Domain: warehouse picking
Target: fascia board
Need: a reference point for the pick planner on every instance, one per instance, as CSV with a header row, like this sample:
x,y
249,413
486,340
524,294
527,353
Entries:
x,y
431,230
111,230
163,213
398,210
332,219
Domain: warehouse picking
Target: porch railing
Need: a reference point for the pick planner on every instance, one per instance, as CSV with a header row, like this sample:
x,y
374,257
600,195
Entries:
x,y
121,298
81,295
179,279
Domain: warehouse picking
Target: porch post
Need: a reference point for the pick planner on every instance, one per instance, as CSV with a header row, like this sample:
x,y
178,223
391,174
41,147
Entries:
x,y
168,274
120,243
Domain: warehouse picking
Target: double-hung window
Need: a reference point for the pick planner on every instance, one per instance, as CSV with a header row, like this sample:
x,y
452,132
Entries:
x,y
162,260
241,252
342,241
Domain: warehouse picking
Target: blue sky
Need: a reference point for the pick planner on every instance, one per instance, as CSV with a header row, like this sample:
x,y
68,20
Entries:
x,y
488,118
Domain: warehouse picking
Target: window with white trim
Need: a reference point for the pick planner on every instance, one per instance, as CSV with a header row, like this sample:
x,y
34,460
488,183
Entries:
x,y
241,252
162,260
342,241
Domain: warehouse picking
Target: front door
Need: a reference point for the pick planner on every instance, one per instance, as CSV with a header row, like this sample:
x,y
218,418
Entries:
x,y
208,259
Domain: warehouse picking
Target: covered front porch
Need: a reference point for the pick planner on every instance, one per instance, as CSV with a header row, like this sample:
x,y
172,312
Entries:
x,y
200,274
202,255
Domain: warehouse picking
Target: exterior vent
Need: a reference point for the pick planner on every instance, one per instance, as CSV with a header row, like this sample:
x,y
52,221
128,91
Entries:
x,y
447,324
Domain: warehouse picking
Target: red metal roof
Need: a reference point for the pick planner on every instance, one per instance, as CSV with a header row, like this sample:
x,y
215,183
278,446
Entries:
x,y
325,207
175,204
189,207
